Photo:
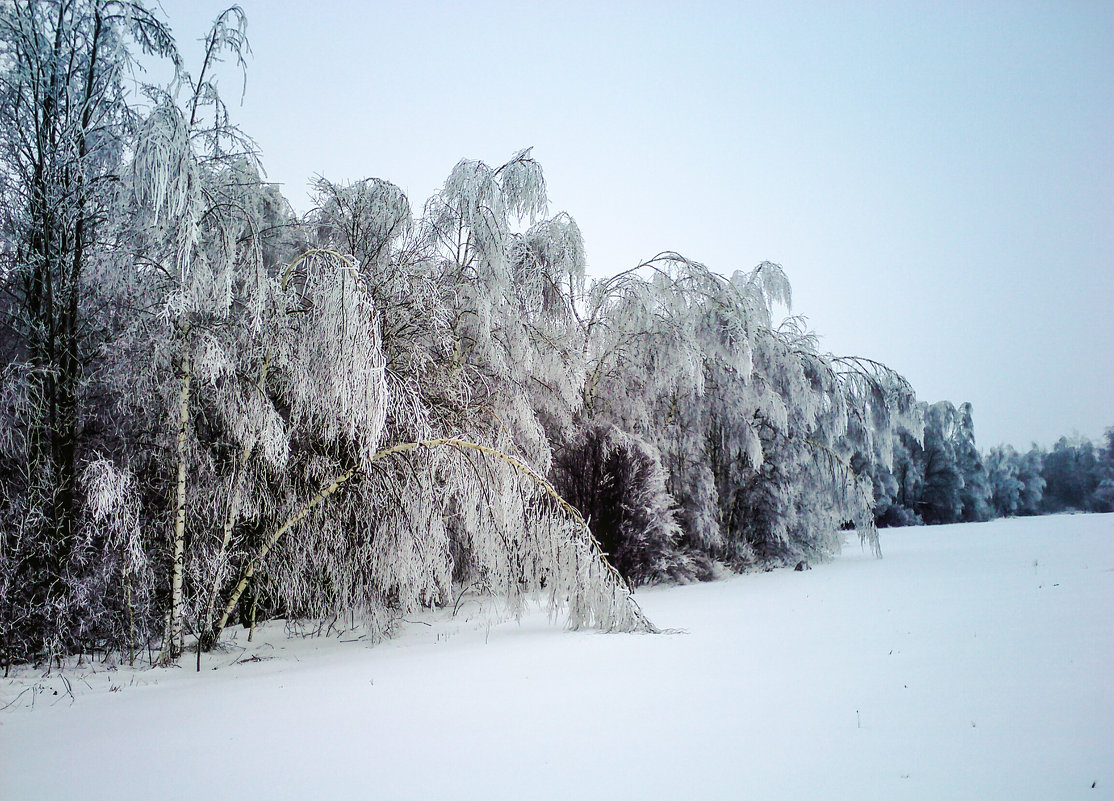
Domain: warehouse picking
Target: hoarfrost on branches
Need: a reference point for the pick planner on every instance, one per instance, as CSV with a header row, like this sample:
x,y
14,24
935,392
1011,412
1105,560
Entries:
x,y
371,410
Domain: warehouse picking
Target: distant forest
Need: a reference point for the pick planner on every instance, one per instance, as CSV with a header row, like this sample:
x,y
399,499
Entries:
x,y
940,477
213,411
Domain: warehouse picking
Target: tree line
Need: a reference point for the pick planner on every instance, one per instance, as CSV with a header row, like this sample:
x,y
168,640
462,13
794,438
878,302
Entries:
x,y
214,411
943,478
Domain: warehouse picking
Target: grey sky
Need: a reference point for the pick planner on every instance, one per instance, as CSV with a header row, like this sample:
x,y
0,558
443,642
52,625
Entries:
x,y
937,179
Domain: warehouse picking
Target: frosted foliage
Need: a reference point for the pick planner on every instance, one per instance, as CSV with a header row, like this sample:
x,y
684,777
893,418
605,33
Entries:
x,y
671,357
67,131
165,172
645,533
14,402
524,543
365,554
755,426
470,218
113,503
252,421
363,218
524,186
272,433
201,245
665,333
470,214
768,284
511,297
212,360
842,407
527,434
556,250
408,548
333,357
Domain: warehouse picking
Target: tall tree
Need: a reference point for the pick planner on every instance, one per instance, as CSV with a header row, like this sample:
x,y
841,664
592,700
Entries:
x,y
1003,465
941,500
64,130
191,229
975,494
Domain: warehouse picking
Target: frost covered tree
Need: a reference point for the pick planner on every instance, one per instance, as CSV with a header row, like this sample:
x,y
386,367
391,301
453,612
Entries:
x,y
669,355
1003,467
616,480
199,266
755,428
975,494
1015,480
64,128
897,487
1072,474
456,496
950,482
842,411
508,293
941,500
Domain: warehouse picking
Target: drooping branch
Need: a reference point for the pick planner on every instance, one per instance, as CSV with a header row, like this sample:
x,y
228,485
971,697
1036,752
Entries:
x,y
639,622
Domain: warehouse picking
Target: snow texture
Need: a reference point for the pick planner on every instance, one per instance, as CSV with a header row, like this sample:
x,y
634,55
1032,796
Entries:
x,y
973,662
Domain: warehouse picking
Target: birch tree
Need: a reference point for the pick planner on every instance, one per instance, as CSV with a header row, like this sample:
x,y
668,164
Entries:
x,y
670,359
468,226
199,248
808,487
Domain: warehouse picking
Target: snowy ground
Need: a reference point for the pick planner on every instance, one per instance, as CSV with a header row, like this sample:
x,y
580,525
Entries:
x,y
973,662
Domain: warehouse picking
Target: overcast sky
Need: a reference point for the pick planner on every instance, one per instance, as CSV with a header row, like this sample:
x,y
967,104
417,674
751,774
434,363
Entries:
x,y
937,179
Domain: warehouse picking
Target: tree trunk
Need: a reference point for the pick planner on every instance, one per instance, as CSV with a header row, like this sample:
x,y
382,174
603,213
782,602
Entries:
x,y
172,643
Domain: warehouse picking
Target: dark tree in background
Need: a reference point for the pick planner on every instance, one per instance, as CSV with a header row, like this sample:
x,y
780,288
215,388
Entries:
x,y
617,482
940,499
975,494
1073,472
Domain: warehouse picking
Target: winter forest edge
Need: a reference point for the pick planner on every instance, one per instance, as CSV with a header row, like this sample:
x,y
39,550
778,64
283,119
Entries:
x,y
212,410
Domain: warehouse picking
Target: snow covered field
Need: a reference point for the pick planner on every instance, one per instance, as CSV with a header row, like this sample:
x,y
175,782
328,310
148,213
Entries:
x,y
973,662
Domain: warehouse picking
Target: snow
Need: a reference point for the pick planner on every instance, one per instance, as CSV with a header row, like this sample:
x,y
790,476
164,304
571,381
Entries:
x,y
972,662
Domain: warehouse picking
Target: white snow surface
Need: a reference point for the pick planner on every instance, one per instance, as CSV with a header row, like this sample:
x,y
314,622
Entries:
x,y
972,662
